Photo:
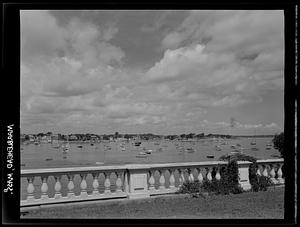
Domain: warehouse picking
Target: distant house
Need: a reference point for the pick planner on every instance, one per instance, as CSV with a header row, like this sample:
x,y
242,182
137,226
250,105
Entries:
x,y
43,139
54,137
22,137
73,138
31,138
93,137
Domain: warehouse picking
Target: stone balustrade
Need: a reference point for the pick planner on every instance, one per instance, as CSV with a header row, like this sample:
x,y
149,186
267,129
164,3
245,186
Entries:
x,y
58,185
72,184
271,168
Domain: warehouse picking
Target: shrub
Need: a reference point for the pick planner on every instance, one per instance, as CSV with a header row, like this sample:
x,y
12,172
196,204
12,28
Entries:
x,y
258,183
278,142
227,184
190,187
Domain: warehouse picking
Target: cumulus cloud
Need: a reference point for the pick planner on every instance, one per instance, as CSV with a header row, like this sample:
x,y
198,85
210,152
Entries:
x,y
232,57
76,73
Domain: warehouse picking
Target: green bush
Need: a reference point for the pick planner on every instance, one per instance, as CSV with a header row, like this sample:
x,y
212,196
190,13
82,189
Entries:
x,y
278,142
227,184
258,183
190,187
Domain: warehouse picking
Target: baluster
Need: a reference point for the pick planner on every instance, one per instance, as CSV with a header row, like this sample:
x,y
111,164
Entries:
x,y
265,172
30,188
83,185
200,176
118,182
218,175
209,176
191,176
162,180
70,186
272,174
181,178
279,175
44,188
57,187
107,183
126,184
172,179
258,170
95,183
151,180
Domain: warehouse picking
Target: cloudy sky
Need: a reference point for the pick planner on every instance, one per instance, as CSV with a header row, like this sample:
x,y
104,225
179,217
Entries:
x,y
164,72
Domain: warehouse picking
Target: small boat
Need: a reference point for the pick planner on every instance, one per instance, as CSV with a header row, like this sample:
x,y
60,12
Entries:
x,y
233,146
236,152
137,144
210,156
254,149
148,151
49,159
92,144
190,150
79,146
66,147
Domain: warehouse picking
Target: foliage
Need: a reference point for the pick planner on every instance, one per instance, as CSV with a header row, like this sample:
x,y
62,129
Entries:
x,y
227,184
237,157
230,178
258,183
278,142
190,187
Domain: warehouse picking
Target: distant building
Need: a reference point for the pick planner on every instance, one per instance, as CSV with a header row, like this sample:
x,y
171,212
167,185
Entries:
x,y
73,138
22,137
93,137
54,137
31,138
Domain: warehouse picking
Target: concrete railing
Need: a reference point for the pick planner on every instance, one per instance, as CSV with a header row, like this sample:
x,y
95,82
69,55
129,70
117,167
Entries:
x,y
58,185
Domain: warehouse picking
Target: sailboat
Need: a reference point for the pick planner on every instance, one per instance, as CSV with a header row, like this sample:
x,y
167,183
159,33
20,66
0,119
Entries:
x,y
66,147
253,142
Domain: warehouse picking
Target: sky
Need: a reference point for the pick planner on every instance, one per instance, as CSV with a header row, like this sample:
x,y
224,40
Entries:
x,y
152,71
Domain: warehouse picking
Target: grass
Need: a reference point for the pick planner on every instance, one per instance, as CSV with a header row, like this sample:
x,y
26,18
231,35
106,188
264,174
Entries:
x,y
264,204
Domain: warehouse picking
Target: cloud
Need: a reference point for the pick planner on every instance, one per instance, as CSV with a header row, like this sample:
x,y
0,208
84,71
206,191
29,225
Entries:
x,y
219,60
75,71
40,35
65,60
192,73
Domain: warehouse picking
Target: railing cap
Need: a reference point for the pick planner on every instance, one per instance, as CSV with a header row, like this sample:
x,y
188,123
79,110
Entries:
x,y
27,172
